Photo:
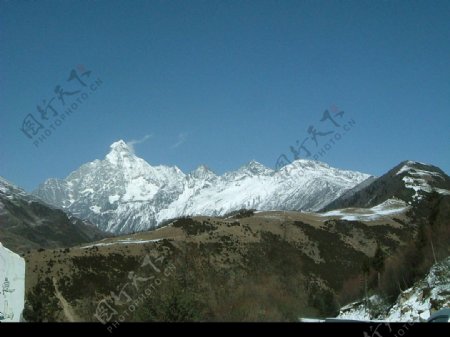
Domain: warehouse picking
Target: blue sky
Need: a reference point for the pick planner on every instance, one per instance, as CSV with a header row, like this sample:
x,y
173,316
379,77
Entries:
x,y
224,82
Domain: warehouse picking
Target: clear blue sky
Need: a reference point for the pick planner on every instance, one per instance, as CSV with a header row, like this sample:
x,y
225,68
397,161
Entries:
x,y
224,82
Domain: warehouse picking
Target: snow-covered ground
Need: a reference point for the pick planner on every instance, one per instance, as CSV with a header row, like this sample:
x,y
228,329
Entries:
x,y
415,304
388,208
418,180
122,241
12,283
360,312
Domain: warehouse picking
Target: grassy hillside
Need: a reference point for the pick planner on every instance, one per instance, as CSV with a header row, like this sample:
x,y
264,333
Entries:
x,y
267,266
27,224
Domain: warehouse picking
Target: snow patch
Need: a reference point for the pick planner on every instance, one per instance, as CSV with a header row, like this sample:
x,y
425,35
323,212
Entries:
x,y
418,180
139,190
95,209
415,304
421,184
123,241
113,198
387,208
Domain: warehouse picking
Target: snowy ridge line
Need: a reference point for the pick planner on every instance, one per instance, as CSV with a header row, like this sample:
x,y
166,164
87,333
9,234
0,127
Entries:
x,y
123,193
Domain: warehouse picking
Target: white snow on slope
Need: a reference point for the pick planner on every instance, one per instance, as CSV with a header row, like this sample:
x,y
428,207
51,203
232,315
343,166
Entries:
x,y
358,311
95,209
419,180
113,198
388,208
123,241
409,167
132,195
420,184
9,190
415,304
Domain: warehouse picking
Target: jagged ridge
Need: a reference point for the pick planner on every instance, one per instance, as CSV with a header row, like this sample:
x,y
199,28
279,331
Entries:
x,y
123,193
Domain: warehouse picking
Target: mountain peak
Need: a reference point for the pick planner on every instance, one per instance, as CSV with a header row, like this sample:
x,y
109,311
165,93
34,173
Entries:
x,y
254,163
254,167
308,163
120,146
203,172
119,151
412,167
202,168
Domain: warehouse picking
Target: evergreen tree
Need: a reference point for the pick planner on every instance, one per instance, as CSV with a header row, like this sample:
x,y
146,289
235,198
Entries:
x,y
378,261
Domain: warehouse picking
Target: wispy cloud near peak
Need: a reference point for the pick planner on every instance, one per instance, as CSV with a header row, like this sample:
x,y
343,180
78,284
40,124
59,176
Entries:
x,y
134,142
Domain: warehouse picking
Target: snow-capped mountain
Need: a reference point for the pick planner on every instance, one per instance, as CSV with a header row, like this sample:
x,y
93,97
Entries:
x,y
409,181
423,178
123,193
9,191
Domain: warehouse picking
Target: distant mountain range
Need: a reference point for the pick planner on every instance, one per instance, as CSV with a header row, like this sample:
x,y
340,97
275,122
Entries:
x,y
123,193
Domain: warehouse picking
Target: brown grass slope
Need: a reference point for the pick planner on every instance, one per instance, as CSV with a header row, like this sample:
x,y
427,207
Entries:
x,y
29,224
266,266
